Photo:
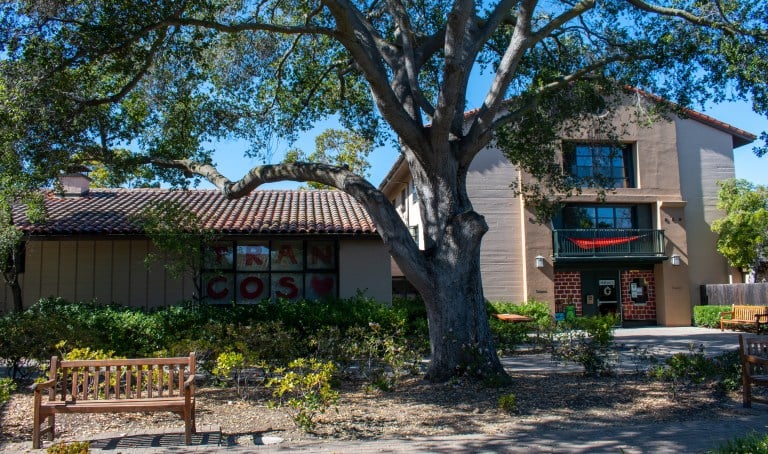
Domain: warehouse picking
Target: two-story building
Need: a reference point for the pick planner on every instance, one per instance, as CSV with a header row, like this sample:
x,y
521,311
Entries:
x,y
643,252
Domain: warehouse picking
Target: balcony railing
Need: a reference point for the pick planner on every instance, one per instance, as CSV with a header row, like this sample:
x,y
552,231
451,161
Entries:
x,y
606,243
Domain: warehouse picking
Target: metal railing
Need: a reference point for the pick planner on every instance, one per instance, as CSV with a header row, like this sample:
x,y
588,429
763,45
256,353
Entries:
x,y
586,243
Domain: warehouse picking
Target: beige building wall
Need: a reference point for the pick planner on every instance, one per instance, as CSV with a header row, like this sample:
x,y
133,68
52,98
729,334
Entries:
x,y
364,265
501,254
706,157
113,271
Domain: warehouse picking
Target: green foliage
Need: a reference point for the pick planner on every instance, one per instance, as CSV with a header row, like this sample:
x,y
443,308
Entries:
x,y
743,231
508,403
508,336
694,368
708,316
338,148
7,386
587,341
75,447
305,387
275,332
381,357
183,244
752,443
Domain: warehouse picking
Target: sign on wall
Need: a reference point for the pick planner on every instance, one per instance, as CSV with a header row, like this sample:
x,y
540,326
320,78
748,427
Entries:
x,y
247,272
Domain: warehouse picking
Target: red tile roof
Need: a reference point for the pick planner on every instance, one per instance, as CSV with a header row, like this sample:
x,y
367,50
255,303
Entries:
x,y
109,211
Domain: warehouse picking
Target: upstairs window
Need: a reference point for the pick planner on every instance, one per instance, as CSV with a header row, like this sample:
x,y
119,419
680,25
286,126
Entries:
x,y
598,217
599,164
603,216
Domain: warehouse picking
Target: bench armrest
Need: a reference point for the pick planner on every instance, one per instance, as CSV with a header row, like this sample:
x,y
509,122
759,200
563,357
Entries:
x,y
189,383
752,359
722,314
39,387
759,316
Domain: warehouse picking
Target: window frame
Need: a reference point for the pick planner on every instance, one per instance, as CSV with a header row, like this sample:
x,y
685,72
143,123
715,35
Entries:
x,y
235,274
574,151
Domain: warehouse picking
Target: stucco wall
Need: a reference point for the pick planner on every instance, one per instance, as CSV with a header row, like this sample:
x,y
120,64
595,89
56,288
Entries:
x,y
113,271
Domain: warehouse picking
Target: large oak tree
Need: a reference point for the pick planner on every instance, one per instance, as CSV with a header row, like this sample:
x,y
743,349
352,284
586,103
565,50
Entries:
x,y
83,78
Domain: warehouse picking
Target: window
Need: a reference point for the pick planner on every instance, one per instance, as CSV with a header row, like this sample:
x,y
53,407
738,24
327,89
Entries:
x,y
606,165
414,229
598,217
253,271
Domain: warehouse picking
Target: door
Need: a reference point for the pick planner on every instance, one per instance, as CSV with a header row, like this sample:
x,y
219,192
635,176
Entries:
x,y
600,290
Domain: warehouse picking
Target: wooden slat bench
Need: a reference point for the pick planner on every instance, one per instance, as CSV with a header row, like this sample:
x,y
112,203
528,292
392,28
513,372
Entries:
x,y
753,351
115,386
745,315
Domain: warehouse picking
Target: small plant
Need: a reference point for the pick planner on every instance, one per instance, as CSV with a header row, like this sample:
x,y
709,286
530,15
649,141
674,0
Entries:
x,y
7,386
305,387
508,403
693,368
76,447
751,443
587,341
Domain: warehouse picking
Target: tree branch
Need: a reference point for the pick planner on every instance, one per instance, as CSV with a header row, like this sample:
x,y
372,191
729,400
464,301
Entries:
x,y
388,223
725,26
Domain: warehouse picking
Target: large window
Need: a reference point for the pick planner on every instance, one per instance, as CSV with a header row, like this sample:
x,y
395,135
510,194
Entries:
x,y
598,217
599,164
252,271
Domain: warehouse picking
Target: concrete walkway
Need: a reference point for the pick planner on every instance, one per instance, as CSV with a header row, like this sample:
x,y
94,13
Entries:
x,y
589,436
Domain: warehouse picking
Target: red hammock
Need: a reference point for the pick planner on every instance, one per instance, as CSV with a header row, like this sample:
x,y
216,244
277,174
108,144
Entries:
x,y
594,243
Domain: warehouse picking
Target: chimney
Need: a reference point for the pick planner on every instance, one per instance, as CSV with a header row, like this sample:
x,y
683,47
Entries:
x,y
74,184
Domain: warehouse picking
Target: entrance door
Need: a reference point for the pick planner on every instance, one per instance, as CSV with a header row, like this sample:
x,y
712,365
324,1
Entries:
x,y
600,290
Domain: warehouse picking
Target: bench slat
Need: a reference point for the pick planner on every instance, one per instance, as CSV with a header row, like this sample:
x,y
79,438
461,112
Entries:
x,y
116,385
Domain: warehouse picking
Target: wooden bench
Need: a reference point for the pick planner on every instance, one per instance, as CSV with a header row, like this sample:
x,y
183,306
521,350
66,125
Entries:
x,y
115,386
744,315
753,352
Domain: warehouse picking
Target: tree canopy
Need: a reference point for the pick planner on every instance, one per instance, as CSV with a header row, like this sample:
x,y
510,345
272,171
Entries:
x,y
743,231
80,80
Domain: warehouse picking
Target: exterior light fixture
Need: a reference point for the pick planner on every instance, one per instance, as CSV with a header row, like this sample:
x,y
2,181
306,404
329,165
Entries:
x,y
675,260
540,261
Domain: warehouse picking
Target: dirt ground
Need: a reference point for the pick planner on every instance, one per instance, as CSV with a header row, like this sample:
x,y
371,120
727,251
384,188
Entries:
x,y
416,408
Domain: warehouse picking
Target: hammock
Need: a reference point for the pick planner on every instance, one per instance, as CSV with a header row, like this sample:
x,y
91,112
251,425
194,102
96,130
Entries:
x,y
594,243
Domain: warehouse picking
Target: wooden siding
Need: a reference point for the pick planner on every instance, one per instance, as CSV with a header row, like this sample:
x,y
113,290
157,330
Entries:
x,y
488,183
113,271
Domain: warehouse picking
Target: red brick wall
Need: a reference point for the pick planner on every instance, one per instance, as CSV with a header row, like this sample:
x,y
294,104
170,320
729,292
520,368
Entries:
x,y
630,310
567,290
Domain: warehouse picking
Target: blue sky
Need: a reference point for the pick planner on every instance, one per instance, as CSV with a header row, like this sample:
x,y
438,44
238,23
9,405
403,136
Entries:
x,y
229,156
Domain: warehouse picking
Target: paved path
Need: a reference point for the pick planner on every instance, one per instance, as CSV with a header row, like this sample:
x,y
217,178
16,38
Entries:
x,y
589,436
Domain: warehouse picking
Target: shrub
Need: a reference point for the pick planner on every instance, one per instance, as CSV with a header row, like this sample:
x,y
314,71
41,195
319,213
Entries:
x,y
587,341
708,316
507,336
7,386
305,387
685,369
751,443
76,447
508,403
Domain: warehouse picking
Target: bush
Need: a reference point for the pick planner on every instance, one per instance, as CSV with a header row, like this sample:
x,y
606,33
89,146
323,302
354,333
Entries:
x,y
685,369
7,386
587,341
752,443
507,336
508,403
305,387
708,316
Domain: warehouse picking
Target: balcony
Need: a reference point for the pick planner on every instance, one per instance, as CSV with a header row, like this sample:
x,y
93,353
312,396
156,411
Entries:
x,y
577,245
